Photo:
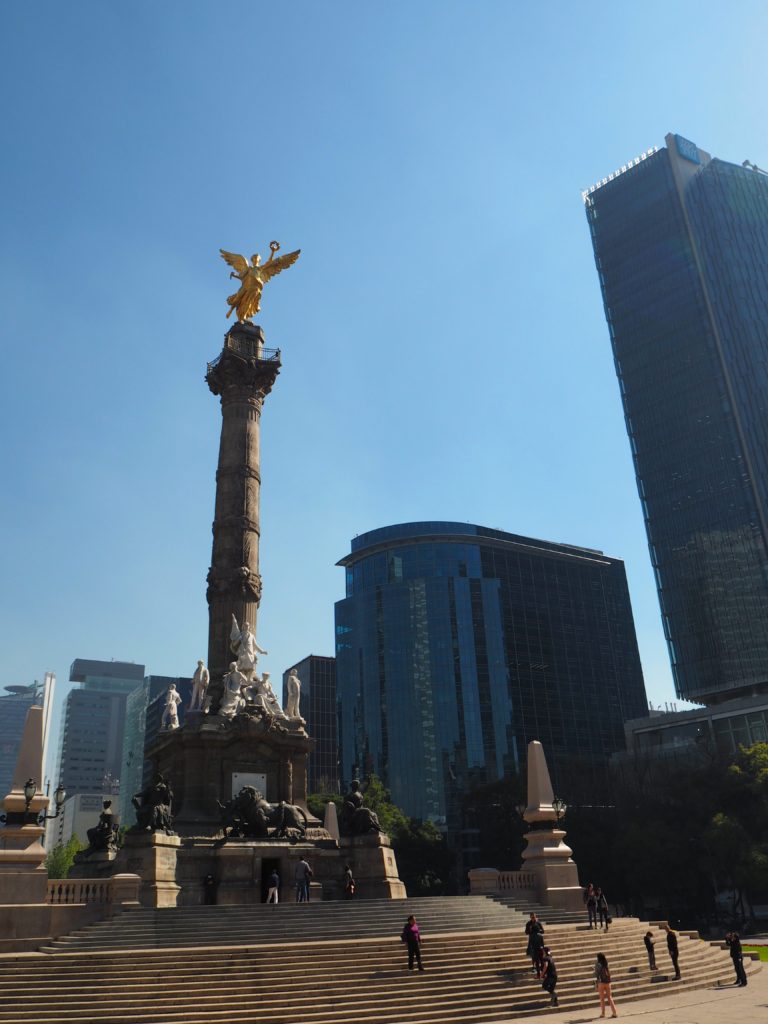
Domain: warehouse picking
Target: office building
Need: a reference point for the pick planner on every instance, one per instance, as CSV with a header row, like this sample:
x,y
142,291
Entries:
x,y
717,730
134,767
78,814
318,709
456,645
154,713
91,747
681,247
14,704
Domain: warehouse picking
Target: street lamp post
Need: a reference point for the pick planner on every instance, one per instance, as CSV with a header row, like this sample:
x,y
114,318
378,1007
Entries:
x,y
25,817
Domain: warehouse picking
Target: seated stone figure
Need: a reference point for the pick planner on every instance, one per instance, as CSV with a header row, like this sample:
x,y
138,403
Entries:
x,y
153,807
105,835
354,818
232,700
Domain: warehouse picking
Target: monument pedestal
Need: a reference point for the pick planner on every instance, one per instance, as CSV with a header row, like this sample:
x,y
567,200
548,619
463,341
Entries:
x,y
211,758
557,877
151,856
373,866
99,864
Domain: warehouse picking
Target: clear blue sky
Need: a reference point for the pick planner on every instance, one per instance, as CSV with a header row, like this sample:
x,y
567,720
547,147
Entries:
x,y
444,349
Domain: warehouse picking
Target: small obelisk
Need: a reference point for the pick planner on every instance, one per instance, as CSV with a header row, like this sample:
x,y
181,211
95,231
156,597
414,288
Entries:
x,y
546,854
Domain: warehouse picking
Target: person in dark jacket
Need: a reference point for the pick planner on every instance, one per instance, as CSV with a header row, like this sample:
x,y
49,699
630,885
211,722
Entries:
x,y
602,908
734,945
549,975
648,940
411,936
673,951
590,902
534,929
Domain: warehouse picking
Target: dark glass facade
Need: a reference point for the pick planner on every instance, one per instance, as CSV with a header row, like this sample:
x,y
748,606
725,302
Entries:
x,y
681,247
318,709
14,704
456,645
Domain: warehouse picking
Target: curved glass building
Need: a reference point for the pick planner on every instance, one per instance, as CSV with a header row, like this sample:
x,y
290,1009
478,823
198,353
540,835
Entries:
x,y
456,645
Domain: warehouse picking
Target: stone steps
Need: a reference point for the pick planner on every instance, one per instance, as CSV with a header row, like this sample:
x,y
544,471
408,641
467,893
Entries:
x,y
282,922
547,915
469,979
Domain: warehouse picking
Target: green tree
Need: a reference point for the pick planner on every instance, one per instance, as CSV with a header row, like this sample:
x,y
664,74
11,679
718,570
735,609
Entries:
x,y
60,859
317,802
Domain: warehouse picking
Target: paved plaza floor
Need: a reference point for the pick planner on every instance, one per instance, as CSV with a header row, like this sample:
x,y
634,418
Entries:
x,y
729,1005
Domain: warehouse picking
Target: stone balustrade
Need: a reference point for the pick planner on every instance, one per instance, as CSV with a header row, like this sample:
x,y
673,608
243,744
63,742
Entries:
x,y
491,880
121,890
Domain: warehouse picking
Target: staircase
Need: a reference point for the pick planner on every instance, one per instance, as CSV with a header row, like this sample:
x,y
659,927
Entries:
x,y
288,922
471,977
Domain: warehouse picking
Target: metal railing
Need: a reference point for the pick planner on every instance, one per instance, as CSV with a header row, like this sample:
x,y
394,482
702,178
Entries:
x,y
247,348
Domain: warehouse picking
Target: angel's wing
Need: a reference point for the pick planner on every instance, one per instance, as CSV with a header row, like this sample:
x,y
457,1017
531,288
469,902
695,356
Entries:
x,y
240,263
273,267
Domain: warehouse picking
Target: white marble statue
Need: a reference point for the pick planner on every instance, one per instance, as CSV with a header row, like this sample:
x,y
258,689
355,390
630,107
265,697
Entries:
x,y
293,691
263,696
200,681
170,719
243,644
232,700
270,697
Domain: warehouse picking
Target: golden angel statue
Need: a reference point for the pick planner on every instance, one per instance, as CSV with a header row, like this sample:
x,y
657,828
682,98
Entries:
x,y
253,276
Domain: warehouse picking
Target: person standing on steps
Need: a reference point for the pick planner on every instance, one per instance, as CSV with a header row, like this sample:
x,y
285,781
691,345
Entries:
x,y
603,982
734,945
411,936
274,887
590,902
648,940
534,929
549,975
303,879
602,908
673,950
349,882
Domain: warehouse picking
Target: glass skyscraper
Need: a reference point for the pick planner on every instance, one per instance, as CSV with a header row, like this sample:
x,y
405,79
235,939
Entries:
x,y
318,708
456,645
681,247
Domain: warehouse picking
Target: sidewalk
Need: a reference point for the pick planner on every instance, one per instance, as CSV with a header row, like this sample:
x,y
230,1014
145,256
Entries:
x,y
705,1006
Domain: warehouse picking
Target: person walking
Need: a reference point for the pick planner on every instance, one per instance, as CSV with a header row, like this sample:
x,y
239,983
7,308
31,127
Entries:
x,y
549,975
648,940
303,878
590,902
534,929
602,908
349,882
411,936
274,887
734,945
603,982
673,950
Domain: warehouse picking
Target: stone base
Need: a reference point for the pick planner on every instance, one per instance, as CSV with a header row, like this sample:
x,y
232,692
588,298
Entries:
x,y
557,877
373,866
99,864
22,887
151,856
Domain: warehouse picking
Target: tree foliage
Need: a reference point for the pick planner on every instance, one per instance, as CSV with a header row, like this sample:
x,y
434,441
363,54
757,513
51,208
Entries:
x,y
60,859
424,861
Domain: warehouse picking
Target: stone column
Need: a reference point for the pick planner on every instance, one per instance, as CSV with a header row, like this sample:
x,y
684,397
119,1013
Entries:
x,y
243,375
